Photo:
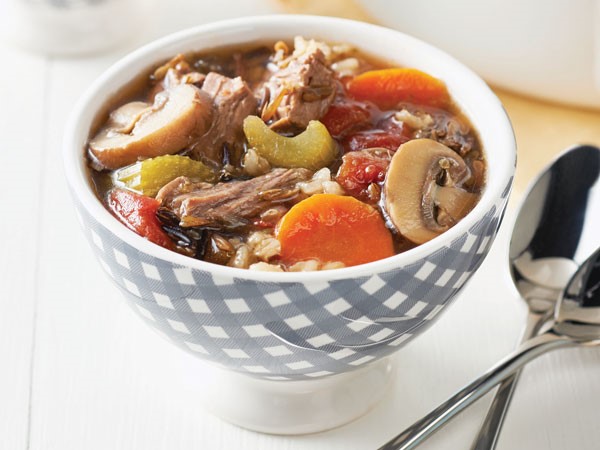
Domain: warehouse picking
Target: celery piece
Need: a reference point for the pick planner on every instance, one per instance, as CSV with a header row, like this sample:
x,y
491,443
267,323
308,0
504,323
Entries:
x,y
313,149
148,176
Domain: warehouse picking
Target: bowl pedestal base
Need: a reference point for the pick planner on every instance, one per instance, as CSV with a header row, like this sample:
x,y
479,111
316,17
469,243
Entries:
x,y
292,407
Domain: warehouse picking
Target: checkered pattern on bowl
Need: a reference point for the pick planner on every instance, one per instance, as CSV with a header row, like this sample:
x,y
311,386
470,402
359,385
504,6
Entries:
x,y
292,330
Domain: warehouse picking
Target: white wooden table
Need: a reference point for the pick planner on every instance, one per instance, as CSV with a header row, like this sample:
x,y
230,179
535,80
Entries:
x,y
80,371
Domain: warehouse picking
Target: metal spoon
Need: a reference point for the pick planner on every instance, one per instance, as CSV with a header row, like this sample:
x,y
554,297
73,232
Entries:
x,y
552,235
576,323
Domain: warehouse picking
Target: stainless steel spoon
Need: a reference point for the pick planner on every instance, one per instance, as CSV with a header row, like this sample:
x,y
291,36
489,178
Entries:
x,y
576,323
552,235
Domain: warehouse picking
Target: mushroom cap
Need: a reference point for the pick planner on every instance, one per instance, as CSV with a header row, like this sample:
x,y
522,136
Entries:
x,y
423,196
138,130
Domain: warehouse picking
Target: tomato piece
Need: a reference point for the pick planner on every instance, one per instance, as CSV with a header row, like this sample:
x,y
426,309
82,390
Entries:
x,y
361,168
138,213
342,118
333,228
375,138
388,87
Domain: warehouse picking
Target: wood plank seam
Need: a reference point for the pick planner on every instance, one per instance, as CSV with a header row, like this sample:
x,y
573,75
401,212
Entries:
x,y
47,83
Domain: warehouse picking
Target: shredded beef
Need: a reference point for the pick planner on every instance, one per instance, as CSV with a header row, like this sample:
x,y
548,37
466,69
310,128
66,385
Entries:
x,y
233,204
300,91
233,102
176,188
451,132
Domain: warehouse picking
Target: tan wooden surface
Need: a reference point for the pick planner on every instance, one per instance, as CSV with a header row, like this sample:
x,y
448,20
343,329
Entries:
x,y
544,129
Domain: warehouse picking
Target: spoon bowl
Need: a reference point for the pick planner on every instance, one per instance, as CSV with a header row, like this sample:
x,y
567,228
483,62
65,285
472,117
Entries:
x,y
555,227
578,314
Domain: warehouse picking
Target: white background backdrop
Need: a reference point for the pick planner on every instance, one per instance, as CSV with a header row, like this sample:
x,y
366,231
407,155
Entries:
x,y
80,371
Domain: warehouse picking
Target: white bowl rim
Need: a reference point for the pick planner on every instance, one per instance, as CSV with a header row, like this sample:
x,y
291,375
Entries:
x,y
75,165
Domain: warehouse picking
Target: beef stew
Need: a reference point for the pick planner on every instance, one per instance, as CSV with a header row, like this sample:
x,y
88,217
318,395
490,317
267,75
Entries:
x,y
289,157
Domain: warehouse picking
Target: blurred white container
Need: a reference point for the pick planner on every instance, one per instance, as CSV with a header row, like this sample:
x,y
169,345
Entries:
x,y
545,48
69,27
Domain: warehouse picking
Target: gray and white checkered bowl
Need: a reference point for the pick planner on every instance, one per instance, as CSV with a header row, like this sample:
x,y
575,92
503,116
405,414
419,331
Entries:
x,y
292,326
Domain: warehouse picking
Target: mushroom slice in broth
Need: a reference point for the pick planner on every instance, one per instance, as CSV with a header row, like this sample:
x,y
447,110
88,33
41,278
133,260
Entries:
x,y
423,193
138,130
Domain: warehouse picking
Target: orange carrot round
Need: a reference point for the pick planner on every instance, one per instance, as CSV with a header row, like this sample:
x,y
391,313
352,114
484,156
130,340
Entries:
x,y
332,228
388,87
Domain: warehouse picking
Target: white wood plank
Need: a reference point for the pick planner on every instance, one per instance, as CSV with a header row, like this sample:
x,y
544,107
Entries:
x,y
557,404
67,318
22,115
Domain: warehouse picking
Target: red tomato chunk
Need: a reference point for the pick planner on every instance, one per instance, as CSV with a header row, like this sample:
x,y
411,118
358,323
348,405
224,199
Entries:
x,y
342,118
374,138
138,212
361,168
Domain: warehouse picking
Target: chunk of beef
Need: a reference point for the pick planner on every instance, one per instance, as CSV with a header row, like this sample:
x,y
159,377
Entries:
x,y
450,131
300,91
233,102
177,188
233,204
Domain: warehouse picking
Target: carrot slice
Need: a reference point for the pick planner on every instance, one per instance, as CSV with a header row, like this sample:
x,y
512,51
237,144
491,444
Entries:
x,y
388,87
332,228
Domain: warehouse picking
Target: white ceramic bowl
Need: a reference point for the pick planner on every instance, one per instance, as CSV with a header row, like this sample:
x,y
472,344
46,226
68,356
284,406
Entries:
x,y
295,326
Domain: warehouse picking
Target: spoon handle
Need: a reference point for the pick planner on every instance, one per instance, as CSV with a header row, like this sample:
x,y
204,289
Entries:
x,y
489,432
422,429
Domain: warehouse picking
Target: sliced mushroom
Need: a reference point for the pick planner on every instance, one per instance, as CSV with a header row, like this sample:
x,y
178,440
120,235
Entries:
x,y
139,130
423,193
124,118
453,203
